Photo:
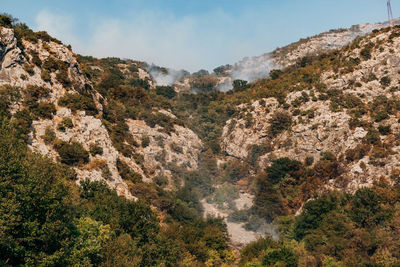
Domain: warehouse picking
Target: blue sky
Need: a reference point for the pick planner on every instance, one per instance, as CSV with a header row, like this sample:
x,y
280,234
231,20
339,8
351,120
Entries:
x,y
190,34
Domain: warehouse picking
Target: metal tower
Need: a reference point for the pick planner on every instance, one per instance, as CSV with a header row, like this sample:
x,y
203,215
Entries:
x,y
390,14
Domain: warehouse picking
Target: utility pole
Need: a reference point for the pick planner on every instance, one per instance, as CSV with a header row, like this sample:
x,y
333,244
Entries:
x,y
390,14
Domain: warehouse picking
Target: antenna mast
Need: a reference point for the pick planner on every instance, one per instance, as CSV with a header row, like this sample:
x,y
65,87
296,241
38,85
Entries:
x,y
390,14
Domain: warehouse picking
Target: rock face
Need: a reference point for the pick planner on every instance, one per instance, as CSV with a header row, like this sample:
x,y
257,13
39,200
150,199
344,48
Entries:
x,y
11,58
181,147
321,128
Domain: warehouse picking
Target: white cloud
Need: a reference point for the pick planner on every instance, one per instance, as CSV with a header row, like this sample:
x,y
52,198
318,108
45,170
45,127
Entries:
x,y
59,26
190,42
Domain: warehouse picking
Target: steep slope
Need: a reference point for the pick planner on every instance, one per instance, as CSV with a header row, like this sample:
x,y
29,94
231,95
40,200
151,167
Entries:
x,y
253,68
345,103
67,110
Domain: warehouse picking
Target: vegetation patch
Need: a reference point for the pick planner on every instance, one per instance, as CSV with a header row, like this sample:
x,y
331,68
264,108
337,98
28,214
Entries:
x,y
71,153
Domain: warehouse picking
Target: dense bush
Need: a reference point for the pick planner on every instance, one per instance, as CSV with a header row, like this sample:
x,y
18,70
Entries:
x,y
282,167
71,153
385,81
279,122
95,150
66,123
8,95
45,75
7,20
358,152
166,91
313,213
35,58
49,135
161,180
367,209
127,173
32,100
268,202
365,53
145,141
45,110
79,102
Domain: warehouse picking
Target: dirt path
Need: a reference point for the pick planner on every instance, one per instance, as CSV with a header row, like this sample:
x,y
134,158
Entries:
x,y
239,236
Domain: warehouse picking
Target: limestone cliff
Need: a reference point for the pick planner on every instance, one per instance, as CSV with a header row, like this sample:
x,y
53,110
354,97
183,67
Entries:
x,y
51,66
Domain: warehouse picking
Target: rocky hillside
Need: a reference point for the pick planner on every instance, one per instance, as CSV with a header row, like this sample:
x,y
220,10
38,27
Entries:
x,y
67,115
282,156
253,68
345,103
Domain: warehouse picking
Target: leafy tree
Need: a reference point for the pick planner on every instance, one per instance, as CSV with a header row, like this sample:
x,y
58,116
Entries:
x,y
280,256
282,167
88,245
71,153
367,208
313,213
36,216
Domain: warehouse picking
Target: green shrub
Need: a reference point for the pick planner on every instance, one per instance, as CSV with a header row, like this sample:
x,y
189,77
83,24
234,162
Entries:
x,y
79,102
235,170
384,129
385,81
49,135
358,152
365,53
257,248
372,137
166,91
203,84
327,167
381,115
45,110
127,173
283,257
145,141
33,94
279,122
256,151
50,64
309,161
66,123
28,68
45,75
161,180
95,150
7,20
367,209
106,173
71,153
313,214
240,85
8,95
63,78
283,166
35,58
